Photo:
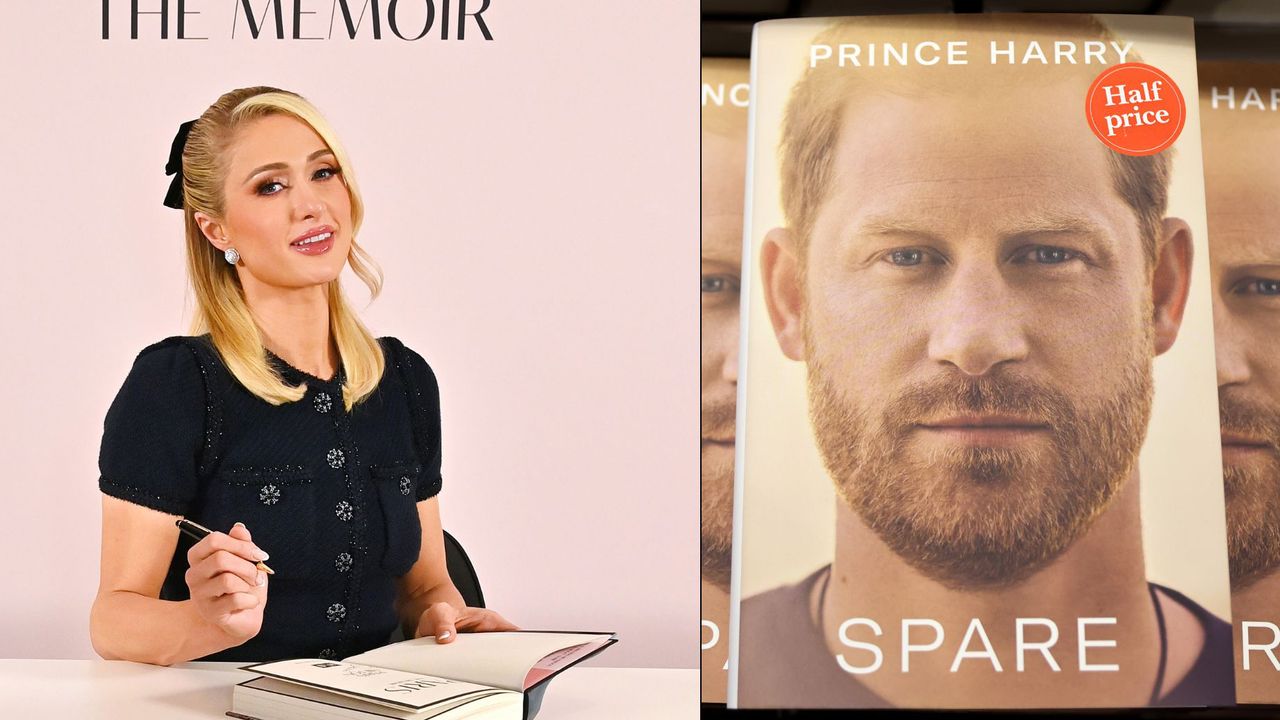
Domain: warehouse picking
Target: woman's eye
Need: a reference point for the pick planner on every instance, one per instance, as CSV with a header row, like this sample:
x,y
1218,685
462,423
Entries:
x,y
271,187
906,258
1046,255
718,283
264,188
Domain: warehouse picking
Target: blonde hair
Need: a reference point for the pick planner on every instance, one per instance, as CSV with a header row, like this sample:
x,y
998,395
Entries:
x,y
816,108
221,309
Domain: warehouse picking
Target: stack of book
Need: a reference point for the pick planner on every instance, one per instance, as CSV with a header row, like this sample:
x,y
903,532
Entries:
x,y
494,676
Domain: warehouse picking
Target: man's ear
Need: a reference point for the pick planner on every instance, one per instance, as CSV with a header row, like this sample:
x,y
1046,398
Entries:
x,y
1170,282
212,230
780,271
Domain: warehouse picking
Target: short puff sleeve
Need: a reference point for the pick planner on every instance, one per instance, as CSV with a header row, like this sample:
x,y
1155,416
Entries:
x,y
154,431
424,408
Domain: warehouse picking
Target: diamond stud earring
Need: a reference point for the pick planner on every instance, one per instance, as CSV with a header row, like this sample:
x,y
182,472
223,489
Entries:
x,y
232,256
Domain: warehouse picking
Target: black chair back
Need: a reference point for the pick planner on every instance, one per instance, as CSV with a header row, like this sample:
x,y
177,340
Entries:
x,y
462,572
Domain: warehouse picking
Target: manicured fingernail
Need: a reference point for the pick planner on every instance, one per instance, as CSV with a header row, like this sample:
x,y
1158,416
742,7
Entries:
x,y
262,578
260,556
240,524
445,635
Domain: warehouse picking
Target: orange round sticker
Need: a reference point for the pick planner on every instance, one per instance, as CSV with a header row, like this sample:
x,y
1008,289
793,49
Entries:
x,y
1135,109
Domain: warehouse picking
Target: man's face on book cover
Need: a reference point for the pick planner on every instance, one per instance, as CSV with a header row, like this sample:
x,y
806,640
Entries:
x,y
1243,200
977,324
723,175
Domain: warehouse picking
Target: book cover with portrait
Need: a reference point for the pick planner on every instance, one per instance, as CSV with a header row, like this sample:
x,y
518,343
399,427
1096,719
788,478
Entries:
x,y
1240,105
725,97
978,449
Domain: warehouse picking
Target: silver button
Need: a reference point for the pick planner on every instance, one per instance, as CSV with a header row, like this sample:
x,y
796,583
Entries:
x,y
405,484
336,612
343,563
343,511
323,402
336,458
269,494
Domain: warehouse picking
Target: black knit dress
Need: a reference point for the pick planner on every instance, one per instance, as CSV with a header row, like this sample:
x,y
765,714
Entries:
x,y
330,495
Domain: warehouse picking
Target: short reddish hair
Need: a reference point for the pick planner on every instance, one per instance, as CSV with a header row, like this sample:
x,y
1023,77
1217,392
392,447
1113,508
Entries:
x,y
815,110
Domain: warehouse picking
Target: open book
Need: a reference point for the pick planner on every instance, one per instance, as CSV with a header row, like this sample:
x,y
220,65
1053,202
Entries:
x,y
494,676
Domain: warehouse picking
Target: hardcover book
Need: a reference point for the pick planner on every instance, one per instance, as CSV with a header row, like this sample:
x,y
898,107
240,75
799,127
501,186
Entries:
x,y
499,675
978,448
1240,104
725,96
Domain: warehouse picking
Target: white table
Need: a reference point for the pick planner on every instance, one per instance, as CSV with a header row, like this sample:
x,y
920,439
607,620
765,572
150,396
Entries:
x,y
85,689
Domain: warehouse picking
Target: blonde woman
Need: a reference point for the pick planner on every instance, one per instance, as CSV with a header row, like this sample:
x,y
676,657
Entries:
x,y
282,424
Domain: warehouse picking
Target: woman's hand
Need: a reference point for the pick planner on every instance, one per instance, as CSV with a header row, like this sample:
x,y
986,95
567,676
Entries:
x,y
445,621
229,592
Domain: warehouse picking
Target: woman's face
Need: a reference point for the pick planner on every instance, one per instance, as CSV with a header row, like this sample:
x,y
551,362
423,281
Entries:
x,y
287,209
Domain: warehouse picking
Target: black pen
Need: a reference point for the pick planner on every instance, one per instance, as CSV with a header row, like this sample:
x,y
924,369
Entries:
x,y
199,532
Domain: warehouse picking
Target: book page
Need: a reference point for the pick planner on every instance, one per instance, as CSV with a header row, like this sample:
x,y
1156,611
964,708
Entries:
x,y
393,688
269,696
279,698
500,659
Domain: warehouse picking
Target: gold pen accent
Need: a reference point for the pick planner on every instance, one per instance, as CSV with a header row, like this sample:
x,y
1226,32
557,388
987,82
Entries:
x,y
199,532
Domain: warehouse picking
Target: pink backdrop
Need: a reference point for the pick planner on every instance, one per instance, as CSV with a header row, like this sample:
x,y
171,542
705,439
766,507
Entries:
x,y
533,203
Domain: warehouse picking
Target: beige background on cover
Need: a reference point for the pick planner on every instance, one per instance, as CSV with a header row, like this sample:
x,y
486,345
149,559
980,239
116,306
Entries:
x,y
788,510
533,202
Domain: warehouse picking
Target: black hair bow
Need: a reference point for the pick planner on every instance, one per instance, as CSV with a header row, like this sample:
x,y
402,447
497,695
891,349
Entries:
x,y
173,198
